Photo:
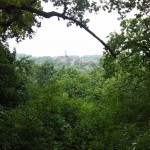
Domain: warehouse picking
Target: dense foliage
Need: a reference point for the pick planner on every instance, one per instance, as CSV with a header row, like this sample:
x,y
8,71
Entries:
x,y
61,108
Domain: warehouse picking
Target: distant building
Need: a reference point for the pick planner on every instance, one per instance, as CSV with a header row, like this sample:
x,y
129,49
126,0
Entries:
x,y
62,59
66,54
73,62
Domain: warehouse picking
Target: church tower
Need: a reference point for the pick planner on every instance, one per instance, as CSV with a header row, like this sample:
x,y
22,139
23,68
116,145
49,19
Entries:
x,y
65,53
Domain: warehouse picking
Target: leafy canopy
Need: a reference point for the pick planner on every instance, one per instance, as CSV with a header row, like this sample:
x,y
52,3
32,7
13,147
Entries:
x,y
19,16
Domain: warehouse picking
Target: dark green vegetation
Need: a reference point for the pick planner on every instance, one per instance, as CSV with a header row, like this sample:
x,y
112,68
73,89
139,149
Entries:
x,y
61,108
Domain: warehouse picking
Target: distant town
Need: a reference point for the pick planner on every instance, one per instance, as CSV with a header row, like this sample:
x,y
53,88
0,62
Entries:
x,y
83,62
72,59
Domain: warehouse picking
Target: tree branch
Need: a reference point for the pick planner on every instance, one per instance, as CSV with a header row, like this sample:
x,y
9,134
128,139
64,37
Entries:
x,y
54,14
65,8
145,48
7,23
62,15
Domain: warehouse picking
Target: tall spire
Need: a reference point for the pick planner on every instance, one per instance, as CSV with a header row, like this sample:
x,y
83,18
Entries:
x,y
65,53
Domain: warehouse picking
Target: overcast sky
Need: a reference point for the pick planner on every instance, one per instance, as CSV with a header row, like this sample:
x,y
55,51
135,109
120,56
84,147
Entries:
x,y
54,38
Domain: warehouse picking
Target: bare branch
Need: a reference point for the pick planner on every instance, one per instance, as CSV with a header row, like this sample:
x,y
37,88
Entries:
x,y
65,8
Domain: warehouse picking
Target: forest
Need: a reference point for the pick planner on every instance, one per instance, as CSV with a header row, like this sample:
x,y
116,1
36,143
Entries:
x,y
44,106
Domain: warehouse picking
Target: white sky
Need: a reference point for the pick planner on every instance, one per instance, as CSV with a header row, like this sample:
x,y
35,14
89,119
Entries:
x,y
54,38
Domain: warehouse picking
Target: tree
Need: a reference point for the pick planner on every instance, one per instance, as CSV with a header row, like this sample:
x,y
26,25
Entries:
x,y
126,87
14,78
135,33
129,74
132,43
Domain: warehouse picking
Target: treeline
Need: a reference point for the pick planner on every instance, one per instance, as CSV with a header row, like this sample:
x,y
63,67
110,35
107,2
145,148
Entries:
x,y
44,107
83,63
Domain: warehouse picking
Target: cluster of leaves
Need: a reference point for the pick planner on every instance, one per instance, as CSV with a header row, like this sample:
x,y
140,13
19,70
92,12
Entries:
x,y
125,7
76,9
18,17
133,39
16,23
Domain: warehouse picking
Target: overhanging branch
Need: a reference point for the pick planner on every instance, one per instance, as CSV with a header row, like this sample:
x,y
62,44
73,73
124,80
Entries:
x,y
63,16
